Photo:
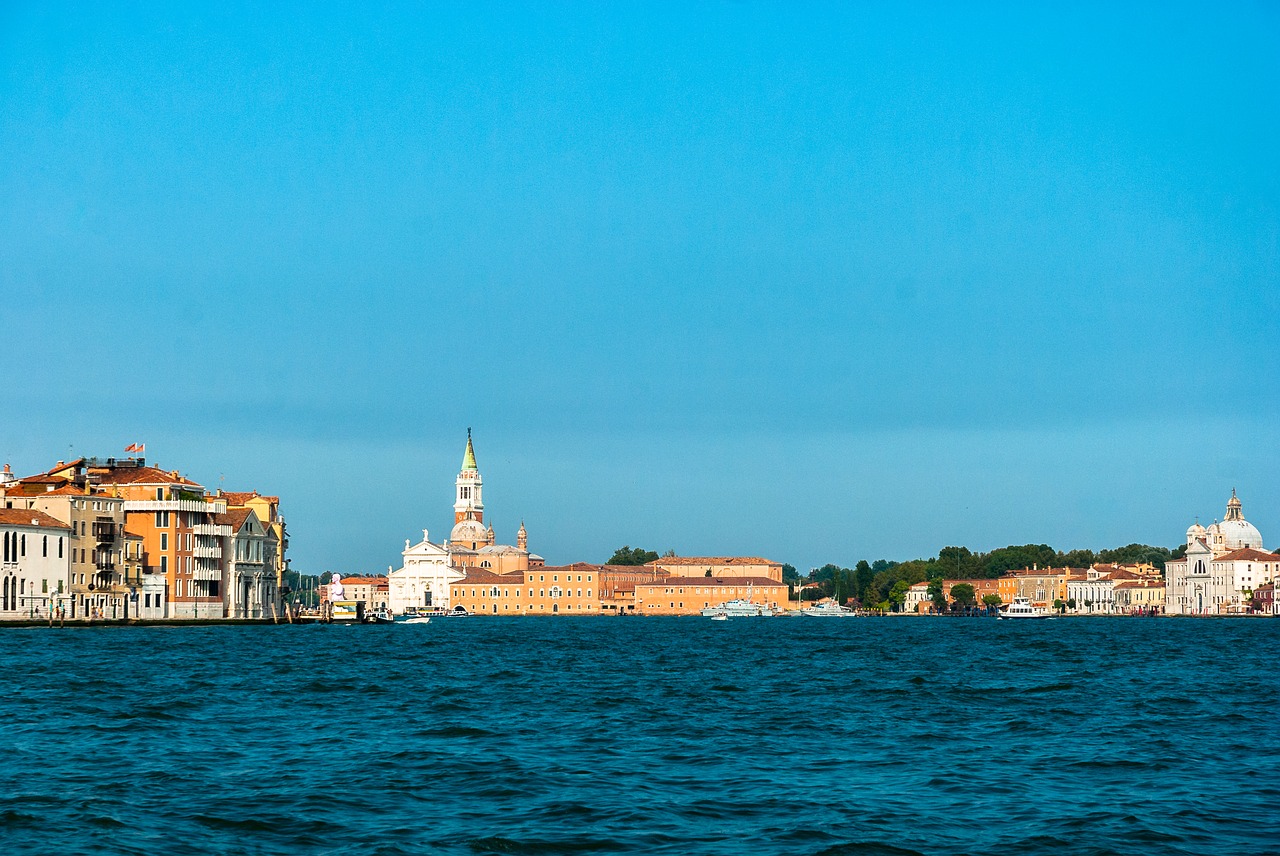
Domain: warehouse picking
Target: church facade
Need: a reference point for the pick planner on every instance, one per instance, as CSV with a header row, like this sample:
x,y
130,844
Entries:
x,y
429,570
1224,563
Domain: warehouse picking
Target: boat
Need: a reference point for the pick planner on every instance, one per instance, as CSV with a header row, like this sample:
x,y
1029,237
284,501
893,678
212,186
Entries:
x,y
739,609
720,616
1021,608
382,615
417,619
828,609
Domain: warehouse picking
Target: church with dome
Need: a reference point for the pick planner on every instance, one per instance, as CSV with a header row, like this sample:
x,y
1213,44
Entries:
x,y
429,568
1224,562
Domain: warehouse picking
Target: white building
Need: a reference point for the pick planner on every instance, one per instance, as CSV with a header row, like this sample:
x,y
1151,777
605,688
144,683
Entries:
x,y
424,578
34,562
250,565
1224,563
917,598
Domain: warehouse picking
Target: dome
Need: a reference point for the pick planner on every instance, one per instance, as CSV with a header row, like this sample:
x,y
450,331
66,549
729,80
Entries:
x,y
1196,531
469,532
1239,534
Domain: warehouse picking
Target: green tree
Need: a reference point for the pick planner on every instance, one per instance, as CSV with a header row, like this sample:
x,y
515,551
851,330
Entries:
x,y
789,574
862,578
898,594
991,601
628,555
963,595
936,595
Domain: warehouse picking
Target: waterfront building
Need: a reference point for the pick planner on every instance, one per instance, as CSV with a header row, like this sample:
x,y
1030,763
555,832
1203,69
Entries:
x,y
1222,562
1041,586
371,591
248,550
424,577
691,595
176,521
429,572
267,509
617,585
566,590
917,598
33,562
718,566
1143,596
1264,599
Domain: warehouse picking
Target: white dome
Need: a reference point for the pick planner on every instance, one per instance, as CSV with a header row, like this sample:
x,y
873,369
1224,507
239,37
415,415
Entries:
x,y
1239,534
1196,531
469,532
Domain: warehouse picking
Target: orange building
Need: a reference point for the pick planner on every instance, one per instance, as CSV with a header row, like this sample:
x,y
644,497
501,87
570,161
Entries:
x,y
567,590
691,595
719,566
180,537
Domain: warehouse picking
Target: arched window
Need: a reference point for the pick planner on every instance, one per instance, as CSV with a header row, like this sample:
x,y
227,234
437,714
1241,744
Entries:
x,y
555,592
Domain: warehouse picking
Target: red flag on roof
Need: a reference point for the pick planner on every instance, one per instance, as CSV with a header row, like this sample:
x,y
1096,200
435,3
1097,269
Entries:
x,y
136,447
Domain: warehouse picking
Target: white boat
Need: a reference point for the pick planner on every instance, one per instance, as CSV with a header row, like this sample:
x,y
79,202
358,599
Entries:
x,y
1021,608
738,609
417,619
828,609
720,616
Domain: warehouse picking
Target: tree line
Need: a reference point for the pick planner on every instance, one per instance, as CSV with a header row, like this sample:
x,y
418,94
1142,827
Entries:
x,y
883,584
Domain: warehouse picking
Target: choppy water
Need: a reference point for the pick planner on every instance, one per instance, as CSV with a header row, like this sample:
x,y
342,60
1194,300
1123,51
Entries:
x,y
681,736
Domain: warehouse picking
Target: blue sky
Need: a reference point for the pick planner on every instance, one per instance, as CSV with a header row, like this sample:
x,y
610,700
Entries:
x,y
822,284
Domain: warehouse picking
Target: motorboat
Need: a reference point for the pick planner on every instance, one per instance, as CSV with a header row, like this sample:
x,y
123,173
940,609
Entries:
x,y
1021,608
720,616
382,615
739,609
417,619
828,609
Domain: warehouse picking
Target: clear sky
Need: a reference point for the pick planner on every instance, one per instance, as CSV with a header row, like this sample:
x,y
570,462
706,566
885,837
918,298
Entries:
x,y
818,282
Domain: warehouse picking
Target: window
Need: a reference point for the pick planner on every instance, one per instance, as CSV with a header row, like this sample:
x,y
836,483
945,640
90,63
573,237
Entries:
x,y
164,540
164,566
44,547
59,546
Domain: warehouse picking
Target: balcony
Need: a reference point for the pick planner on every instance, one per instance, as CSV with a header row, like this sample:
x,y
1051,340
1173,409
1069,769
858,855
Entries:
x,y
213,506
206,551
216,530
104,530
105,565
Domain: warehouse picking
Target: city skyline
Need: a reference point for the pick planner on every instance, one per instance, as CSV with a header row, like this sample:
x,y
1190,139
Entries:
x,y
820,284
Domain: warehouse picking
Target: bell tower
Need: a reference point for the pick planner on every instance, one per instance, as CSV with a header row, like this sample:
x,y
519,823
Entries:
x,y
468,503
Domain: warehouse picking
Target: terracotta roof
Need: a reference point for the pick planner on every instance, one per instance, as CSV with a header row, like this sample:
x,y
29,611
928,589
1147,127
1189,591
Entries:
x,y
240,497
713,560
1247,554
481,576
1147,583
30,517
233,517
761,582
140,475
363,581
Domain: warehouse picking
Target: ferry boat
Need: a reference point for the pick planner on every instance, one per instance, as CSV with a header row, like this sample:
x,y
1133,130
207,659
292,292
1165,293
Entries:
x,y
382,615
738,609
828,609
1021,608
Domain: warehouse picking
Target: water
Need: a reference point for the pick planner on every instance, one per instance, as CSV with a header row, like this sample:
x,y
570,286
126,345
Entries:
x,y
680,736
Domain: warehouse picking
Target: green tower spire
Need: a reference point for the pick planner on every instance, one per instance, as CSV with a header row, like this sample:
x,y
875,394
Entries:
x,y
469,459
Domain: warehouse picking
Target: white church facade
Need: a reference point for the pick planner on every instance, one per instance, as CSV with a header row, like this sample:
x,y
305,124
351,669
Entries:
x,y
428,568
1225,562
